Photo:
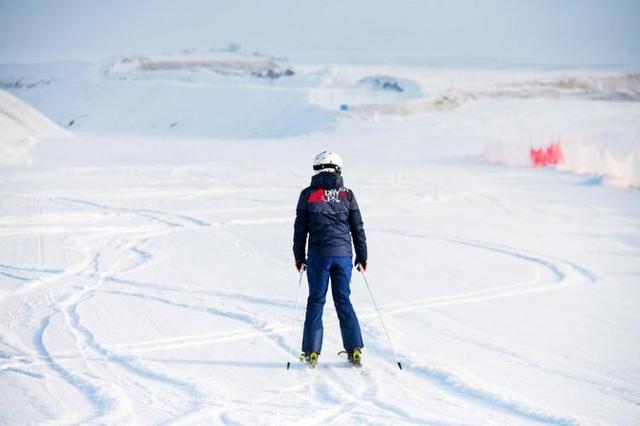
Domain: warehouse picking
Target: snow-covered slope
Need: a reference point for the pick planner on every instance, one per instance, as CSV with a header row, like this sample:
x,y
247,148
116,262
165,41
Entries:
x,y
148,281
146,272
146,277
21,127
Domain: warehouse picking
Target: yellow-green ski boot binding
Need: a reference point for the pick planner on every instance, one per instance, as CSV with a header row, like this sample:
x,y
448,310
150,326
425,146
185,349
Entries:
x,y
355,357
311,359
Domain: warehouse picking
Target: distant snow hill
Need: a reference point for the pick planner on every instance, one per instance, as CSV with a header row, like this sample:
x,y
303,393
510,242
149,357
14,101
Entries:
x,y
217,94
234,95
21,127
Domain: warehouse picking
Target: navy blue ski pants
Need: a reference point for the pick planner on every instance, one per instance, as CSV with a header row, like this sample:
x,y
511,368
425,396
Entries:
x,y
319,270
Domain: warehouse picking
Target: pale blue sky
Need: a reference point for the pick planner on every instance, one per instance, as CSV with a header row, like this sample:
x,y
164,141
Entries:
x,y
538,33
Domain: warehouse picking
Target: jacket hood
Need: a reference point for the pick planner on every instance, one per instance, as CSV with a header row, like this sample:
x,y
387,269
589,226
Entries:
x,y
327,180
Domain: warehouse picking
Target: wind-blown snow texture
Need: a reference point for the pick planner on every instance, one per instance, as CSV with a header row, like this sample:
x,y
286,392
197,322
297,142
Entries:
x,y
146,273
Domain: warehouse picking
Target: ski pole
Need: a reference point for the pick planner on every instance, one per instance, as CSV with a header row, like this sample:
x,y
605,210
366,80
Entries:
x,y
295,318
393,348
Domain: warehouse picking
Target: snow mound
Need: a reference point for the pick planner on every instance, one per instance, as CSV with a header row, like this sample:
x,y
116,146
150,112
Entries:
x,y
21,127
347,89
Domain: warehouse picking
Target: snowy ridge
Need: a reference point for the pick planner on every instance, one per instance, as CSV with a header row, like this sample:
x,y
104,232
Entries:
x,y
622,87
21,127
221,63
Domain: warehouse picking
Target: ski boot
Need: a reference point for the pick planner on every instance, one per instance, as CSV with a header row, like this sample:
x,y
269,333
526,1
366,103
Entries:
x,y
355,357
311,359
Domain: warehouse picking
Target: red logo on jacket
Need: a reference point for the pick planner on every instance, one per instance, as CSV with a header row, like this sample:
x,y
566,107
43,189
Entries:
x,y
327,195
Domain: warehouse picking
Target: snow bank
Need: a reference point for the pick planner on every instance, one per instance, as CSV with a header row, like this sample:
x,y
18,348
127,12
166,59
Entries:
x,y
612,163
617,166
21,127
225,63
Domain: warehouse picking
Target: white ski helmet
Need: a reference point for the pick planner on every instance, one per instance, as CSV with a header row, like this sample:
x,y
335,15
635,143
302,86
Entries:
x,y
327,161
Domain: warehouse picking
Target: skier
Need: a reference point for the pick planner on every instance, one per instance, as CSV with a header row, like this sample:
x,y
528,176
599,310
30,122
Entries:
x,y
329,214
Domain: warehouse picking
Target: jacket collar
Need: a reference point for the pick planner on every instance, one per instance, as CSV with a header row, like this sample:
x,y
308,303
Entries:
x,y
327,180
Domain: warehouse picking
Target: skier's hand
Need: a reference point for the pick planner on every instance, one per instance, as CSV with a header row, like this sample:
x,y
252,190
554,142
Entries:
x,y
301,266
361,265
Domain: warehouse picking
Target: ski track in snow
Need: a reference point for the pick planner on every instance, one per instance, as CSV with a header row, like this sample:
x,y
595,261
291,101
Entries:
x,y
154,215
106,375
566,273
368,394
100,402
105,405
190,391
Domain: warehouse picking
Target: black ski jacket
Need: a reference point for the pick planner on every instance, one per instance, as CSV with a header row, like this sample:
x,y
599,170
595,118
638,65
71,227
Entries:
x,y
328,212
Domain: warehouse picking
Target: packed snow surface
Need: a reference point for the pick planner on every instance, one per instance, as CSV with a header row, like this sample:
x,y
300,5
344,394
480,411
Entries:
x,y
146,273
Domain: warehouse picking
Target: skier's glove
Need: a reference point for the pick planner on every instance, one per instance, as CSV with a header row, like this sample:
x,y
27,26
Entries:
x,y
361,264
301,266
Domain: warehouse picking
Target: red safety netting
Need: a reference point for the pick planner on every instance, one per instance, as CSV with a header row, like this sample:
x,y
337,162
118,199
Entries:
x,y
549,156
